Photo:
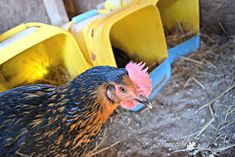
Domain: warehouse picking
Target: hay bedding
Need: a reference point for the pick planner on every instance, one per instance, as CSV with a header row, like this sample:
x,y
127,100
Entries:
x,y
57,75
178,34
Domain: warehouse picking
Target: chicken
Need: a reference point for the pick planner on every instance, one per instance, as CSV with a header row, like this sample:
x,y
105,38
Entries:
x,y
45,120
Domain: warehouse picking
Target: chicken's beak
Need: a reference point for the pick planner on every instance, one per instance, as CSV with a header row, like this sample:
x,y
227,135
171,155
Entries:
x,y
145,101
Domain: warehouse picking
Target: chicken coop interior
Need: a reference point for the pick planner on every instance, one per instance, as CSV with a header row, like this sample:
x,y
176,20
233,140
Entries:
x,y
115,78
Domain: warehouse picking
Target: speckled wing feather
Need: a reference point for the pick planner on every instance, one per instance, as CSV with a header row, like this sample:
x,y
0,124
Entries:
x,y
18,108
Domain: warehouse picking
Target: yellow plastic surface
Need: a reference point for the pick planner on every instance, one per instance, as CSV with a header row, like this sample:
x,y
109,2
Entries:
x,y
135,29
185,12
28,59
172,12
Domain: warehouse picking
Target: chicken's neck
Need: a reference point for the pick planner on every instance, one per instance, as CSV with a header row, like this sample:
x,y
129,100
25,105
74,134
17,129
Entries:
x,y
87,102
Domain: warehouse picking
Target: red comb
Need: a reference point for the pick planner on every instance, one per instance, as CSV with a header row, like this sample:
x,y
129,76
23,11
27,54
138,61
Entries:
x,y
139,76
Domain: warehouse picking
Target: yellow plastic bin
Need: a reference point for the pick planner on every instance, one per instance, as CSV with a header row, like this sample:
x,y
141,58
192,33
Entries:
x,y
38,53
134,29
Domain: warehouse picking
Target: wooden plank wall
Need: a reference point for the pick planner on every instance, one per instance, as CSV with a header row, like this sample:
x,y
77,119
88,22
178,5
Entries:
x,y
15,12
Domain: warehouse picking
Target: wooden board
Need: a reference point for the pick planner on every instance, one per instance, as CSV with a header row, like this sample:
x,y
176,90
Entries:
x,y
15,12
56,12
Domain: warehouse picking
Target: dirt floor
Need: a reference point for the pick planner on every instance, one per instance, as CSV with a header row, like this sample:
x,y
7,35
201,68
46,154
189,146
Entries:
x,y
176,126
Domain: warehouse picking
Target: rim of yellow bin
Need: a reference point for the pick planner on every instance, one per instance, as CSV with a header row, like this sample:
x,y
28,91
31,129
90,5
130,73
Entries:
x,y
46,32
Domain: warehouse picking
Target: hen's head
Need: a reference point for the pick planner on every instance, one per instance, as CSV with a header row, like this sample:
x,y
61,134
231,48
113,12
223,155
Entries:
x,y
133,88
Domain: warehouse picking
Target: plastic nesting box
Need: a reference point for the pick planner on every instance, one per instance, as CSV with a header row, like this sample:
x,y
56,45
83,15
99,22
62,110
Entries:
x,y
31,52
135,29
138,30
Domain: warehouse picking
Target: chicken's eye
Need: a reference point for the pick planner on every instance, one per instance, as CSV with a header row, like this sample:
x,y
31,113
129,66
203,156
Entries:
x,y
123,90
